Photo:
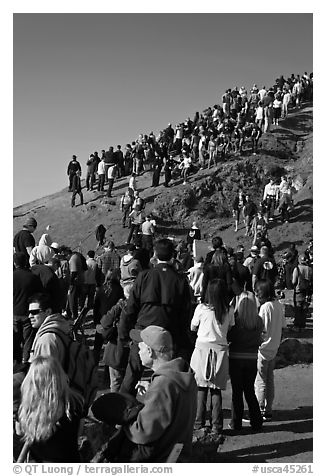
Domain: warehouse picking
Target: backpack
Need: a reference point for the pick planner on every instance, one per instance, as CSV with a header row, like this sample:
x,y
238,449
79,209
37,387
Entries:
x,y
268,271
83,260
303,283
80,367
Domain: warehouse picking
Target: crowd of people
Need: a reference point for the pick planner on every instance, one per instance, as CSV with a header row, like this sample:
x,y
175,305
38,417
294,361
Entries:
x,y
172,325
195,321
219,132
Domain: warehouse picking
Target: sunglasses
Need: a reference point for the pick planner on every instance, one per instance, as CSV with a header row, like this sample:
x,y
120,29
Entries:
x,y
35,312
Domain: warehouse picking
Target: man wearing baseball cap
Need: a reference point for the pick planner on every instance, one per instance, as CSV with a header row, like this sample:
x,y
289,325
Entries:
x,y
161,297
24,240
170,402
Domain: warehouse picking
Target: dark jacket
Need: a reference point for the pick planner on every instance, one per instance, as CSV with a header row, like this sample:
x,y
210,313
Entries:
x,y
160,296
76,184
25,284
50,283
73,166
262,271
115,353
106,297
244,343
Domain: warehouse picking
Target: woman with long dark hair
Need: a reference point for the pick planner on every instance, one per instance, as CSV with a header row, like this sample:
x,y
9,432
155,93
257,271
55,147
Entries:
x,y
212,320
244,340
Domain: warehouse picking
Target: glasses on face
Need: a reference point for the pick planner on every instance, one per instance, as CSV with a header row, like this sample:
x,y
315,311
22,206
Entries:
x,y
35,312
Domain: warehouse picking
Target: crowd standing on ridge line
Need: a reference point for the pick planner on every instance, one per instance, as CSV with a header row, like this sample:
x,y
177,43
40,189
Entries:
x,y
218,133
172,326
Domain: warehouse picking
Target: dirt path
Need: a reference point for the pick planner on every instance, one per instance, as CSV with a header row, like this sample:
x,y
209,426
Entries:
x,y
288,438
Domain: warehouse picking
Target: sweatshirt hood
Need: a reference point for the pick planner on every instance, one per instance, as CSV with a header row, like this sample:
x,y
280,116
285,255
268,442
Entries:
x,y
56,321
126,259
177,370
45,240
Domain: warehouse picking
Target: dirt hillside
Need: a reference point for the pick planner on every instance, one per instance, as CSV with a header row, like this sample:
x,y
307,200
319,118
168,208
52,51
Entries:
x,y
207,198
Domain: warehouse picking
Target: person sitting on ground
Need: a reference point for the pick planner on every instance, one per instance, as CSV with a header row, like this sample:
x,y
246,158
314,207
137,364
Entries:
x,y
48,419
169,404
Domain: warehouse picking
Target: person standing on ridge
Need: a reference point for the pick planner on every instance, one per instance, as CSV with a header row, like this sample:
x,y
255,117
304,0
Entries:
x,y
73,167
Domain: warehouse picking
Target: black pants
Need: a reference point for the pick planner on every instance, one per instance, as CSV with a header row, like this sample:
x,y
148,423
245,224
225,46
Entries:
x,y
73,198
156,177
71,176
147,242
300,309
243,374
75,297
133,231
167,177
101,180
285,214
110,186
134,371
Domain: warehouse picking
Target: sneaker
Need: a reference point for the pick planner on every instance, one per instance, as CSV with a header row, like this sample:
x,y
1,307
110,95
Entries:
x,y
184,183
267,416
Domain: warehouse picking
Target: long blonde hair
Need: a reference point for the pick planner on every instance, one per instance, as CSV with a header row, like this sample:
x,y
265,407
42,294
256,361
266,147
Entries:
x,y
247,311
44,399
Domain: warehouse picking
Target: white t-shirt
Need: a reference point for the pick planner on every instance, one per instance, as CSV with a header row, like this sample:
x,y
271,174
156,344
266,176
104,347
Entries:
x,y
273,316
211,331
186,162
101,168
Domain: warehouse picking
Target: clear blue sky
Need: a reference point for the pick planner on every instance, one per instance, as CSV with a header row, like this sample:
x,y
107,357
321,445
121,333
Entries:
x,y
83,82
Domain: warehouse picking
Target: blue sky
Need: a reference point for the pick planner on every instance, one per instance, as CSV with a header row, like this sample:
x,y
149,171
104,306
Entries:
x,y
83,82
